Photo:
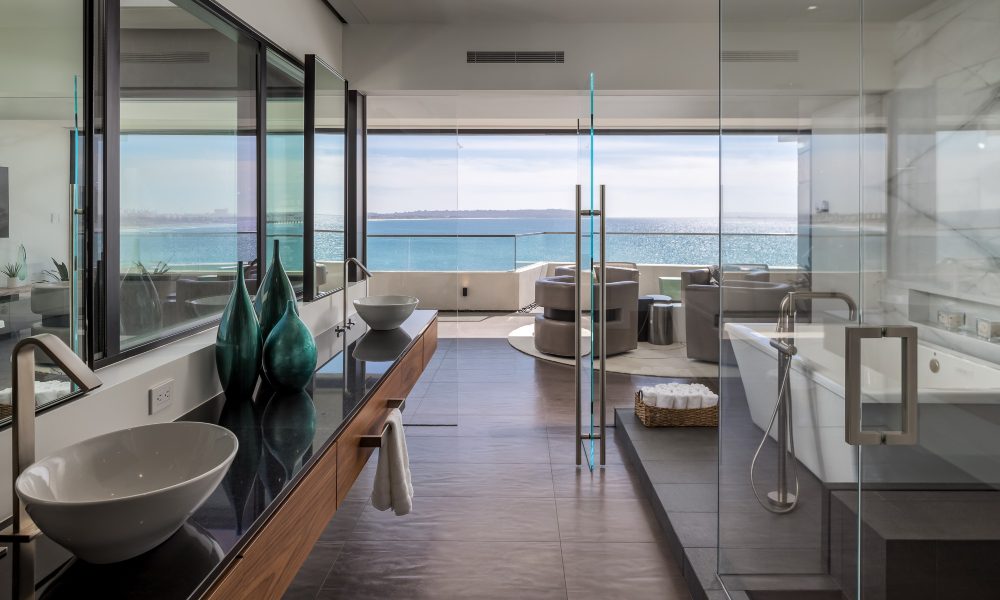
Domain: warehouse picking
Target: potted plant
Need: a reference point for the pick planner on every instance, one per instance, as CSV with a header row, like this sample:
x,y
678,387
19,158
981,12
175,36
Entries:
x,y
12,271
58,274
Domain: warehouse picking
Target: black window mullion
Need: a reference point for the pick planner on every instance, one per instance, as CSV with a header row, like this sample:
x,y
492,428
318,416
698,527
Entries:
x,y
261,162
309,180
111,274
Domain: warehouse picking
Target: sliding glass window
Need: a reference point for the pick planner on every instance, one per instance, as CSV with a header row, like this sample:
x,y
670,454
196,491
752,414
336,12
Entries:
x,y
188,199
516,198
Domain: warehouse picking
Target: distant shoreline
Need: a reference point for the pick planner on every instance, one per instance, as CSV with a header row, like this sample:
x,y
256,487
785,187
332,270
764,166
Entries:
x,y
427,215
474,214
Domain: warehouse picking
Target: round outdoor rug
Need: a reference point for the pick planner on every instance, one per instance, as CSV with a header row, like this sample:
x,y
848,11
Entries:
x,y
647,359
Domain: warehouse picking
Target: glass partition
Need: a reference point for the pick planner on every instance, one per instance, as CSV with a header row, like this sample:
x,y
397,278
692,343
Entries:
x,y
41,168
858,437
326,172
285,139
188,205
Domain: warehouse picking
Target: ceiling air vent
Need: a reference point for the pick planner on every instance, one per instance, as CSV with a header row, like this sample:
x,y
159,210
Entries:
x,y
186,57
515,56
761,56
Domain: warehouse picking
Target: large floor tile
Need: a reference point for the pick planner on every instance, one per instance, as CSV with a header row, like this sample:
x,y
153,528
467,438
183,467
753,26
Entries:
x,y
605,520
483,570
636,571
571,481
309,580
460,449
464,519
498,480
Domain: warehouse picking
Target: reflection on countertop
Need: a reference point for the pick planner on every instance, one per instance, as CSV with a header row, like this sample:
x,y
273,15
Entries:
x,y
280,434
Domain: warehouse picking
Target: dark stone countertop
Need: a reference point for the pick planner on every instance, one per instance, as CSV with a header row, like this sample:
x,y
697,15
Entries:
x,y
280,436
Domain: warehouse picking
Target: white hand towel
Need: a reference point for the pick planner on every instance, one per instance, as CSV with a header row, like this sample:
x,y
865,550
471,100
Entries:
x,y
710,400
682,400
393,484
695,400
665,399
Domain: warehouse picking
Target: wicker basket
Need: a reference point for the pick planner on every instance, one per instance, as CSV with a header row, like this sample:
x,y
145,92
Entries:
x,y
651,416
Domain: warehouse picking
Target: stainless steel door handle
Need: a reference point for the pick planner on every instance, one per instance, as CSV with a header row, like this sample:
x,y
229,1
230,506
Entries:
x,y
855,435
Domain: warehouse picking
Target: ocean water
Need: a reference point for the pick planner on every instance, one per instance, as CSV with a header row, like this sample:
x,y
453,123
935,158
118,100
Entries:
x,y
504,244
473,244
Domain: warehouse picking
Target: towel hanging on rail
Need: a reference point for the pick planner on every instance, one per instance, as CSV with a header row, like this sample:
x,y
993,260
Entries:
x,y
393,485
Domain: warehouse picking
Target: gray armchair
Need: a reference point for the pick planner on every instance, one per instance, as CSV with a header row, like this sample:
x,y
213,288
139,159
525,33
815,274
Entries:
x,y
753,299
554,329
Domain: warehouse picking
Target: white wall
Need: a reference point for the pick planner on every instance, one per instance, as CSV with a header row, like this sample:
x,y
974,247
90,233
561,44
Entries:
x,y
299,26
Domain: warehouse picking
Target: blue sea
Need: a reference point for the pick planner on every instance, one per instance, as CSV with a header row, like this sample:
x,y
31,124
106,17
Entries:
x,y
392,245
474,244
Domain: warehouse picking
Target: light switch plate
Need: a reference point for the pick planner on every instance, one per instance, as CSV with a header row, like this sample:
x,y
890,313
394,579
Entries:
x,y
161,396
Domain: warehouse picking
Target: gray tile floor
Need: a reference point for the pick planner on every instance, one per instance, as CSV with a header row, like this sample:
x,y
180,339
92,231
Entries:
x,y
501,510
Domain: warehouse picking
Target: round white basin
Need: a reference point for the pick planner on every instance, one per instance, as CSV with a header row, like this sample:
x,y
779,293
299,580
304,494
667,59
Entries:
x,y
385,312
117,495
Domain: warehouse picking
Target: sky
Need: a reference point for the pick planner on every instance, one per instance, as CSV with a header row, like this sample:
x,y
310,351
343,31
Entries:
x,y
646,175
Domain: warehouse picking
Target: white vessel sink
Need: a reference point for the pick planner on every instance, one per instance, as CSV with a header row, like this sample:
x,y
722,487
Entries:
x,y
118,495
385,312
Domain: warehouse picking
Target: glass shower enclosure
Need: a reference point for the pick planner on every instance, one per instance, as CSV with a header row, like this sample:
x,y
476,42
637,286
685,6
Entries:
x,y
859,454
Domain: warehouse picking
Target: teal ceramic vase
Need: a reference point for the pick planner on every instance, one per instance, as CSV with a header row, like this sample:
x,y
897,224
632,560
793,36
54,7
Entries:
x,y
290,352
238,343
273,295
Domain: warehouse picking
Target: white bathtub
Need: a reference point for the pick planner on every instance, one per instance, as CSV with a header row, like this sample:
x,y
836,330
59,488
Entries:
x,y
817,387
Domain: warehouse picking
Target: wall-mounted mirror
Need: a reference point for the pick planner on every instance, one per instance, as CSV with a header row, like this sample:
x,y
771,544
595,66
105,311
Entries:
x,y
325,180
42,167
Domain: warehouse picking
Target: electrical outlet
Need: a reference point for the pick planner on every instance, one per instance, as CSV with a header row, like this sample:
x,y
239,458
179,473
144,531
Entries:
x,y
161,396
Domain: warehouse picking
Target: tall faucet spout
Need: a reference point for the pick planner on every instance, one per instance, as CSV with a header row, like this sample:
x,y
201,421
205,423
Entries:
x,y
789,306
23,384
348,323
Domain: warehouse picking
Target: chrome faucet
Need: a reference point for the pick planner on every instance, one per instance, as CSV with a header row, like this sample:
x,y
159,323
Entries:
x,y
781,500
23,530
348,323
788,309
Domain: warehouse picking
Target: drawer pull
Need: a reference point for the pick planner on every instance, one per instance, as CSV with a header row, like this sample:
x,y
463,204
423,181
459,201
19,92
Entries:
x,y
375,441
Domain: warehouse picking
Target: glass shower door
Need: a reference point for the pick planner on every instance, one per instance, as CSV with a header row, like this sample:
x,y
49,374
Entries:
x,y
588,274
923,376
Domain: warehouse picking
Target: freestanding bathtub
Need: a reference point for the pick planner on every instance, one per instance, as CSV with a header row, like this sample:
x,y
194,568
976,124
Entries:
x,y
817,387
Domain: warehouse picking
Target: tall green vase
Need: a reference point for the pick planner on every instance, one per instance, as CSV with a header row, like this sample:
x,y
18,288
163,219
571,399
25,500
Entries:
x,y
238,343
273,294
290,352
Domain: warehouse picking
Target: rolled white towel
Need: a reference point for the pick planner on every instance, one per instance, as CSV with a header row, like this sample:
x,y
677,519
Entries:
x,y
649,396
695,400
710,400
665,400
682,401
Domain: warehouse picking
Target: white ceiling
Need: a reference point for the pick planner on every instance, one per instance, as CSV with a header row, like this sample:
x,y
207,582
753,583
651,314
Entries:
x,y
616,11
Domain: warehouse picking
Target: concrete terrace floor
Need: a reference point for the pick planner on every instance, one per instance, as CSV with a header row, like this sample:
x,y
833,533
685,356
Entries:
x,y
501,510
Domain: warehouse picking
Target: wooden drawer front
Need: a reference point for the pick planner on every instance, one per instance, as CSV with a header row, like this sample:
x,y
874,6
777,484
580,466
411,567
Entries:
x,y
371,418
351,457
430,341
402,379
269,564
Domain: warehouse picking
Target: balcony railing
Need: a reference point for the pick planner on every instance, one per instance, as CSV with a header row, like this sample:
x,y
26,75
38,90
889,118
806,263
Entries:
x,y
508,252
212,251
